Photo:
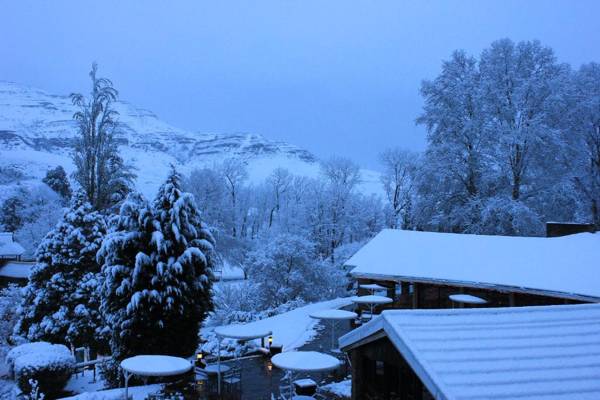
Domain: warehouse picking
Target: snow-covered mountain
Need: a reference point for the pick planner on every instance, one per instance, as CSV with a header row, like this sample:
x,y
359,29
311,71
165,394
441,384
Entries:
x,y
37,132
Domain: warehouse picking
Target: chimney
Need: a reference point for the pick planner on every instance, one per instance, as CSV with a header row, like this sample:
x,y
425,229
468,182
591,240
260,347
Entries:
x,y
556,229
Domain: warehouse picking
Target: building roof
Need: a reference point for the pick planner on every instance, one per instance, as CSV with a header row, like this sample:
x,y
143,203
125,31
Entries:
x,y
16,269
8,247
543,352
566,266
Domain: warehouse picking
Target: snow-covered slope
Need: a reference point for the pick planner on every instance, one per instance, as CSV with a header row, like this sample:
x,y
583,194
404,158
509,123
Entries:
x,y
37,132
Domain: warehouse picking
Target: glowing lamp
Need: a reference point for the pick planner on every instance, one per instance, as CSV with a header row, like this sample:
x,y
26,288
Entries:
x,y
270,340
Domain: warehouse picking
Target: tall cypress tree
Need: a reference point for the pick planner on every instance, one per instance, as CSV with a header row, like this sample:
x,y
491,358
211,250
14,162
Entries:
x,y
157,267
126,261
184,257
61,301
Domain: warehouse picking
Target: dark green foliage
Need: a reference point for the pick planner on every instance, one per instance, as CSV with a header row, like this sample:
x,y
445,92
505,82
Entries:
x,y
51,378
61,301
57,180
157,268
10,214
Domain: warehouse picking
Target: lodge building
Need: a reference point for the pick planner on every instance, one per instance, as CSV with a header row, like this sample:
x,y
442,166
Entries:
x,y
12,268
534,326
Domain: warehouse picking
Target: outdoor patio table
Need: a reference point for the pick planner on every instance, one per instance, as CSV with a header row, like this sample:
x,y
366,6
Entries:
x,y
373,287
333,316
153,365
242,332
466,299
304,361
371,300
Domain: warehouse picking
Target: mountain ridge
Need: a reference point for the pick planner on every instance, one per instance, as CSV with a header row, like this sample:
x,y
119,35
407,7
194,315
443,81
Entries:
x,y
37,132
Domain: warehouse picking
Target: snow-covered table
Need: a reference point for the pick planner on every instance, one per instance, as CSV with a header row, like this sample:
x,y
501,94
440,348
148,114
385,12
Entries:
x,y
466,299
371,300
304,361
153,365
373,287
240,332
333,316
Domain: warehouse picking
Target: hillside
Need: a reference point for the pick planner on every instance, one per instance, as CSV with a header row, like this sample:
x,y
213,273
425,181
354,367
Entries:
x,y
37,132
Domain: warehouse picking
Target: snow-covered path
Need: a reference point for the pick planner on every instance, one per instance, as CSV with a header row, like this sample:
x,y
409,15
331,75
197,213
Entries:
x,y
295,328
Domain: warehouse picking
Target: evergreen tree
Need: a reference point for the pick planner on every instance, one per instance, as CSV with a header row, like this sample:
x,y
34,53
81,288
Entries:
x,y
10,214
183,259
61,302
158,269
57,179
100,170
125,252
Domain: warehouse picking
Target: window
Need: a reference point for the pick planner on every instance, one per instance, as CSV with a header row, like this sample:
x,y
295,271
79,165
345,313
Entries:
x,y
379,368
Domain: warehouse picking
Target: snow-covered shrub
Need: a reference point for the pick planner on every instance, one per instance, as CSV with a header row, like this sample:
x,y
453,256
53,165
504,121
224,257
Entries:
x,y
505,216
10,297
50,365
235,302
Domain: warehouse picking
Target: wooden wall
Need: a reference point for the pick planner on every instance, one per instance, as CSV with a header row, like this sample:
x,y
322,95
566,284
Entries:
x,y
380,373
420,295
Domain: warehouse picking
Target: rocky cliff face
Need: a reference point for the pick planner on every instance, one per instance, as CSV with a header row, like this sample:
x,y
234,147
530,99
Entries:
x,y
37,132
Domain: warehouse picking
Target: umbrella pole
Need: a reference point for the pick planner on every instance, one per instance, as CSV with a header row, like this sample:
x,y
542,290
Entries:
x,y
332,335
219,369
126,385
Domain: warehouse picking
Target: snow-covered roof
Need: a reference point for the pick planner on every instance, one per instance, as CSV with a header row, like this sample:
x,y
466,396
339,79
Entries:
x,y
16,269
8,247
567,265
549,352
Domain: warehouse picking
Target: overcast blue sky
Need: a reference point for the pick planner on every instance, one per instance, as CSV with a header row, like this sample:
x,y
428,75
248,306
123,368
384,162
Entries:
x,y
335,77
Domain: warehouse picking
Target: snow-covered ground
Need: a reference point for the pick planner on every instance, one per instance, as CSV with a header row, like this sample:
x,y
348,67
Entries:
x,y
295,328
341,389
136,392
291,329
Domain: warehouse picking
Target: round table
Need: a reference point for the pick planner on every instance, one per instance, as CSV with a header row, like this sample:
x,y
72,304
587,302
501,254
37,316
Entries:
x,y
241,332
373,287
333,316
466,299
304,361
153,365
371,300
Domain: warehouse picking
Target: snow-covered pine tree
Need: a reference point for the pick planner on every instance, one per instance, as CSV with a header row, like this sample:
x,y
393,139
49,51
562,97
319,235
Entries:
x,y
127,268
61,302
184,256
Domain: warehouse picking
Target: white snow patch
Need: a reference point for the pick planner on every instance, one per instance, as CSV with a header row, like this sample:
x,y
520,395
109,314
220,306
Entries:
x,y
137,392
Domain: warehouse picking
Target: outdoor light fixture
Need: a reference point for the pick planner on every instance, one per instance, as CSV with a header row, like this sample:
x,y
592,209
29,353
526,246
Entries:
x,y
270,340
199,360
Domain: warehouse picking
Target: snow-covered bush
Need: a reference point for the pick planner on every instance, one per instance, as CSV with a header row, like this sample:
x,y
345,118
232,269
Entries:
x,y
286,267
505,216
50,365
10,297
